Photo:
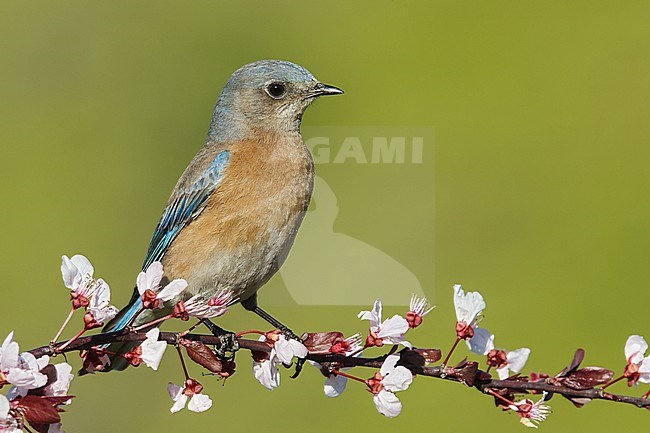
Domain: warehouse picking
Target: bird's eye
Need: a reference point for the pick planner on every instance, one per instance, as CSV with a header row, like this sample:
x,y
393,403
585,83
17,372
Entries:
x,y
276,90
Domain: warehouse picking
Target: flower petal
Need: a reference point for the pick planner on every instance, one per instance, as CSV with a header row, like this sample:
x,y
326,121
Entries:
x,y
374,316
396,326
172,290
283,351
173,390
179,403
387,404
299,349
468,306
398,380
644,370
286,349
389,364
267,374
83,265
153,275
199,403
517,359
335,385
55,428
176,393
69,273
4,407
26,378
9,353
635,348
503,372
63,378
152,349
102,294
482,341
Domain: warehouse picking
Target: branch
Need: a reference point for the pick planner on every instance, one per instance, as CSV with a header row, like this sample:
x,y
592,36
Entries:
x,y
467,373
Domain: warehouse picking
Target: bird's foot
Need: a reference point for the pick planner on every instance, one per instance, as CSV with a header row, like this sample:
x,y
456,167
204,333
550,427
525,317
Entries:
x,y
228,346
290,335
228,343
299,364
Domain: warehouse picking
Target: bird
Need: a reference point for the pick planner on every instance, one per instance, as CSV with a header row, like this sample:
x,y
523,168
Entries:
x,y
235,211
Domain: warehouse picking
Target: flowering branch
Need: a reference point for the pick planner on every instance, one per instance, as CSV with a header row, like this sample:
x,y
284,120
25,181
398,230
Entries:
x,y
40,389
466,372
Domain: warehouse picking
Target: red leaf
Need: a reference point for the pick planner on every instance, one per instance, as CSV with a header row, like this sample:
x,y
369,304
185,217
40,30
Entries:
x,y
41,428
202,355
587,378
320,343
579,402
466,372
430,355
38,410
420,357
575,363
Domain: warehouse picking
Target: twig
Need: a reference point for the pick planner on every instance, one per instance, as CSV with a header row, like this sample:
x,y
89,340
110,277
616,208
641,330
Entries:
x,y
467,373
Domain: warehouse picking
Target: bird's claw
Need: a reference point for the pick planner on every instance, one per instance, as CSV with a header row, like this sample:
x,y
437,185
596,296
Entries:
x,y
227,347
299,363
289,334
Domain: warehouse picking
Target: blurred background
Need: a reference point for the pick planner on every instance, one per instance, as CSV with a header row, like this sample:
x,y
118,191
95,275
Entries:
x,y
531,185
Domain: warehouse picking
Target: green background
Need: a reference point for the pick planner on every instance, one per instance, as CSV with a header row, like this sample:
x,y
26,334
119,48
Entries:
x,y
535,191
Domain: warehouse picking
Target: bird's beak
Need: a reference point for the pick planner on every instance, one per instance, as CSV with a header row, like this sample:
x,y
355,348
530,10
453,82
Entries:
x,y
325,89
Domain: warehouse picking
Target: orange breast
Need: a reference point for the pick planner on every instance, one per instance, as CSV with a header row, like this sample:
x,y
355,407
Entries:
x,y
264,193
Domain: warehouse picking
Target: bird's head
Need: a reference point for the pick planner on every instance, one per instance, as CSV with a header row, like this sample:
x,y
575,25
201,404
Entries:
x,y
268,94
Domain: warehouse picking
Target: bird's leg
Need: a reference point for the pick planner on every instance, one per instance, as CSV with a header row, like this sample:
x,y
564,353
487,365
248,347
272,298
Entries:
x,y
228,344
251,305
276,323
288,333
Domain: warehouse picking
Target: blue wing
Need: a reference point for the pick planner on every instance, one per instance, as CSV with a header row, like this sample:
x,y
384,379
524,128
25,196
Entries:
x,y
187,205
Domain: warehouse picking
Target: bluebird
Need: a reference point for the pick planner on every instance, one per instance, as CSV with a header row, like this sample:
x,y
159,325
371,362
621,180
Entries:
x,y
233,215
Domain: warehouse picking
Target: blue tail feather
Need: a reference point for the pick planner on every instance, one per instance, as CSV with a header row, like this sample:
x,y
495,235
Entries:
x,y
124,317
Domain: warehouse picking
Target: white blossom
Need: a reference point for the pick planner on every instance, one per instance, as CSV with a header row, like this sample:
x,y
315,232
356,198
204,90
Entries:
x,y
60,386
77,274
8,423
335,384
393,378
100,306
515,361
266,372
21,370
531,414
152,349
150,279
390,331
638,365
482,343
198,402
198,306
469,306
285,349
